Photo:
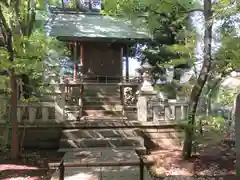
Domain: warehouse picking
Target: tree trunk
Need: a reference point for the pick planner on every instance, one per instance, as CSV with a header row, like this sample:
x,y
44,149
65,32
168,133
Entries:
x,y
198,87
13,118
13,99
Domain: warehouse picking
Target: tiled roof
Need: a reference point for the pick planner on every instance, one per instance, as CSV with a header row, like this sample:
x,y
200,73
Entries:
x,y
85,25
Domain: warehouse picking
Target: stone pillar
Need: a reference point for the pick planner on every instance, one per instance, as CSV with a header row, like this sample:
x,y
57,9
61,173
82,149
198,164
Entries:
x,y
143,105
146,92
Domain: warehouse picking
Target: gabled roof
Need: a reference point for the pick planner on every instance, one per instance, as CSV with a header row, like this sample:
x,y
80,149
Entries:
x,y
92,25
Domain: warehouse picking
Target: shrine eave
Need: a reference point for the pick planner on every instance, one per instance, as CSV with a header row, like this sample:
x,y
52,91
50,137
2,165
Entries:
x,y
103,39
90,27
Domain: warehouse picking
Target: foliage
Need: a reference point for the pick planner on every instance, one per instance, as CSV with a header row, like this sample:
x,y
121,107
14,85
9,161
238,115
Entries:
x,y
227,96
227,58
23,50
168,21
174,43
31,46
217,123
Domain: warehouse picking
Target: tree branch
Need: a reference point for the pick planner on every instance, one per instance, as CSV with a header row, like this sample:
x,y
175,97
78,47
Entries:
x,y
31,17
9,44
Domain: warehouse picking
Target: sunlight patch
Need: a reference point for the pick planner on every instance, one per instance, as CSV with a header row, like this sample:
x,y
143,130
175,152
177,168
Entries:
x,y
21,178
4,167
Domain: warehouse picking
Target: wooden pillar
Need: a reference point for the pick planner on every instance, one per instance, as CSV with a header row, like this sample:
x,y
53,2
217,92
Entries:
x,y
121,64
127,63
75,70
121,78
81,58
81,85
63,4
81,67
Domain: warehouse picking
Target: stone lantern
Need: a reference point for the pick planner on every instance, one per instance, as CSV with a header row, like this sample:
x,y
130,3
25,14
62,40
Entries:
x,y
146,93
146,70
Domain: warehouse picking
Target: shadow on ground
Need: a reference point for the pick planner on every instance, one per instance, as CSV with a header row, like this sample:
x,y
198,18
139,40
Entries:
x,y
33,165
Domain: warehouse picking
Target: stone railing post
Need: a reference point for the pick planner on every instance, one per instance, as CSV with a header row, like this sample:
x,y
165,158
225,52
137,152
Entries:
x,y
45,113
60,103
142,105
32,110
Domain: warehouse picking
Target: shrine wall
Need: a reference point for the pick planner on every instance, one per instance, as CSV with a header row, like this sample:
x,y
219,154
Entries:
x,y
102,59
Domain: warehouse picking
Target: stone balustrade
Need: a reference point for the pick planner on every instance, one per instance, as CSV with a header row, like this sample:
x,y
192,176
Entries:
x,y
51,106
39,112
156,110
171,110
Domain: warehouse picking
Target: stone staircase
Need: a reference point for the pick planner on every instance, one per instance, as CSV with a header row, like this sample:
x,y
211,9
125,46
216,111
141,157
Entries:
x,y
101,138
102,102
104,152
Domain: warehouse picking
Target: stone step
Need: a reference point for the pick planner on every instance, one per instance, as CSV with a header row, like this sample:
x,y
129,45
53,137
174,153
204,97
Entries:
x,y
92,161
101,113
101,94
110,98
99,102
141,150
102,142
165,133
102,105
100,90
106,107
97,120
103,85
72,108
98,133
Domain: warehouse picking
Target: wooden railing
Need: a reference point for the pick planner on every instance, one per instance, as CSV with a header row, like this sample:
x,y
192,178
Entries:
x,y
103,79
168,111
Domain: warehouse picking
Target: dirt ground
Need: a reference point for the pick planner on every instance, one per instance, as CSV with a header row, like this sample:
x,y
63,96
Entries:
x,y
32,166
210,162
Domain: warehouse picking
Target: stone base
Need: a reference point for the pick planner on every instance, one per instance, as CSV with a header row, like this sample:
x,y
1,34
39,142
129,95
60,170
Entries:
x,y
103,173
101,155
